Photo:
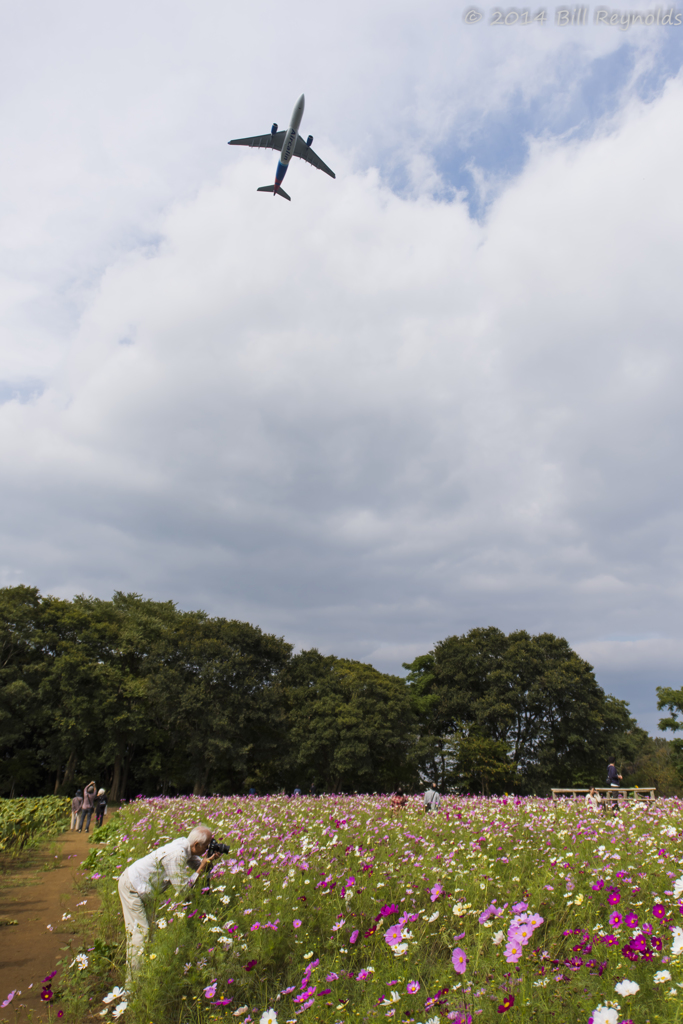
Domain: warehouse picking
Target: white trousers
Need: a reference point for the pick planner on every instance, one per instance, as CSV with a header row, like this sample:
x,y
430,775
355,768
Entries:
x,y
136,924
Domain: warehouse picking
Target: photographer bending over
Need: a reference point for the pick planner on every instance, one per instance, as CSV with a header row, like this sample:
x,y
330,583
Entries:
x,y
178,863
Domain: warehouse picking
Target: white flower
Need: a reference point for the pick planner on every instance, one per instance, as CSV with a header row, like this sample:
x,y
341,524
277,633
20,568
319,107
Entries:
x,y
393,998
498,938
672,992
434,1020
307,956
541,983
678,887
66,917
116,993
217,928
119,1010
662,976
627,988
433,917
677,935
242,1009
400,949
604,1015
162,923
81,961
225,900
269,1017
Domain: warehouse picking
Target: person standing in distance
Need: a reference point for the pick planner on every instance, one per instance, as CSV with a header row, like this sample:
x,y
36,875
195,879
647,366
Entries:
x,y
100,807
178,863
432,798
613,780
88,806
76,805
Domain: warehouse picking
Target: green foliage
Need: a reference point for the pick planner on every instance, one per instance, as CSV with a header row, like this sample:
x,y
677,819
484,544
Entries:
x,y
519,710
146,698
25,819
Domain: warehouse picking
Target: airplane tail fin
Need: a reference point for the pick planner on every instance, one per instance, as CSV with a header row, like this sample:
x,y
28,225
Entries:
x,y
271,188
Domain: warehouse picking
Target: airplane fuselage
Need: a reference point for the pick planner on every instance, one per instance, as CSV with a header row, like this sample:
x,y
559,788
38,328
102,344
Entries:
x,y
289,144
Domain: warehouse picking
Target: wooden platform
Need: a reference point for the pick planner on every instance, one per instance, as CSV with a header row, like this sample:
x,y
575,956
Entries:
x,y
632,792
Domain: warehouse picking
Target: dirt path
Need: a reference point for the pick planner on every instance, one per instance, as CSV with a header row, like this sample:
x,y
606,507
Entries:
x,y
36,892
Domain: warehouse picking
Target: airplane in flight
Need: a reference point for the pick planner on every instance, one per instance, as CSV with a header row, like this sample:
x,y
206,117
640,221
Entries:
x,y
290,144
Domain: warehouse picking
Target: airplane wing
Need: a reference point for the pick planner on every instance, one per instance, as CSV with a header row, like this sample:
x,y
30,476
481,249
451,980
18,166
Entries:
x,y
268,141
307,154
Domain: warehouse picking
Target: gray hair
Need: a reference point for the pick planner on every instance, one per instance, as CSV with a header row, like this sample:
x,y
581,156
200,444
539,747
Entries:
x,y
200,834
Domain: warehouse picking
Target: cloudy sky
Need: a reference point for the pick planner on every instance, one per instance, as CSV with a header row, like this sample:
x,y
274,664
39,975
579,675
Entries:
x,y
441,391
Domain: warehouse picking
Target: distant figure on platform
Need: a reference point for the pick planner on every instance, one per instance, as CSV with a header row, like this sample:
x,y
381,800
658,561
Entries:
x,y
613,780
297,791
398,800
88,806
593,800
432,798
100,807
76,805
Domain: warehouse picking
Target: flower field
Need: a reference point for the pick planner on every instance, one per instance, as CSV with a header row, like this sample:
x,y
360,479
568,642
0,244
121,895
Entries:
x,y
340,909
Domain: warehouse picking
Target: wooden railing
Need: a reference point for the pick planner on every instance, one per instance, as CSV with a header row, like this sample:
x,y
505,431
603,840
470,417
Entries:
x,y
634,792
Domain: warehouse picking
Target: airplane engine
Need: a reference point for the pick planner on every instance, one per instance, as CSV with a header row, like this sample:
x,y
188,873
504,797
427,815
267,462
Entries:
x,y
273,130
309,140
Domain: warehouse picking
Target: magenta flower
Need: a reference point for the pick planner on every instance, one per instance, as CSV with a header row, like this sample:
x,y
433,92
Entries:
x,y
659,910
413,987
507,1004
459,960
388,910
296,923
513,952
519,908
436,891
598,885
393,935
210,990
631,920
354,937
362,975
251,965
613,899
615,919
221,1002
332,977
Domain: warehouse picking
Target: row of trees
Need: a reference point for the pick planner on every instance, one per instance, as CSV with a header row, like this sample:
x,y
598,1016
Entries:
x,y
147,698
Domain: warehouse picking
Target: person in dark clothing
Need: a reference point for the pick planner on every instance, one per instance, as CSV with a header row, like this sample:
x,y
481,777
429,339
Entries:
x,y
76,805
100,807
88,806
613,780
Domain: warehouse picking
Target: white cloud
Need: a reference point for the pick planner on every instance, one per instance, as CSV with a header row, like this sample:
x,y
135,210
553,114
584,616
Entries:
x,y
361,419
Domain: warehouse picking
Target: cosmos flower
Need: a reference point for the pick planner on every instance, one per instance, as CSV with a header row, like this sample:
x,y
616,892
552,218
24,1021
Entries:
x,y
210,990
393,935
354,936
615,919
436,891
613,899
459,960
507,1004
631,920
661,977
413,987
296,923
627,988
659,911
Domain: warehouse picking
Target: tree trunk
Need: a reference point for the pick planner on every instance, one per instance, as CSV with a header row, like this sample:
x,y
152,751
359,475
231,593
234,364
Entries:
x,y
57,783
124,780
70,770
116,784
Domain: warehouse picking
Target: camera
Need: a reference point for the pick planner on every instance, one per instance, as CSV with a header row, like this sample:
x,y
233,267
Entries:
x,y
216,847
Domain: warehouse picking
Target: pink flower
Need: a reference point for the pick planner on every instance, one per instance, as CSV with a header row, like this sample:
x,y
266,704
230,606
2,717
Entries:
x,y
9,999
459,960
393,935
412,987
354,937
296,923
210,990
362,975
513,952
436,891
615,919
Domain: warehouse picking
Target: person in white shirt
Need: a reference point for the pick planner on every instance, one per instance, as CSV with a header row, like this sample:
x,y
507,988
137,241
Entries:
x,y
432,798
178,863
593,799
